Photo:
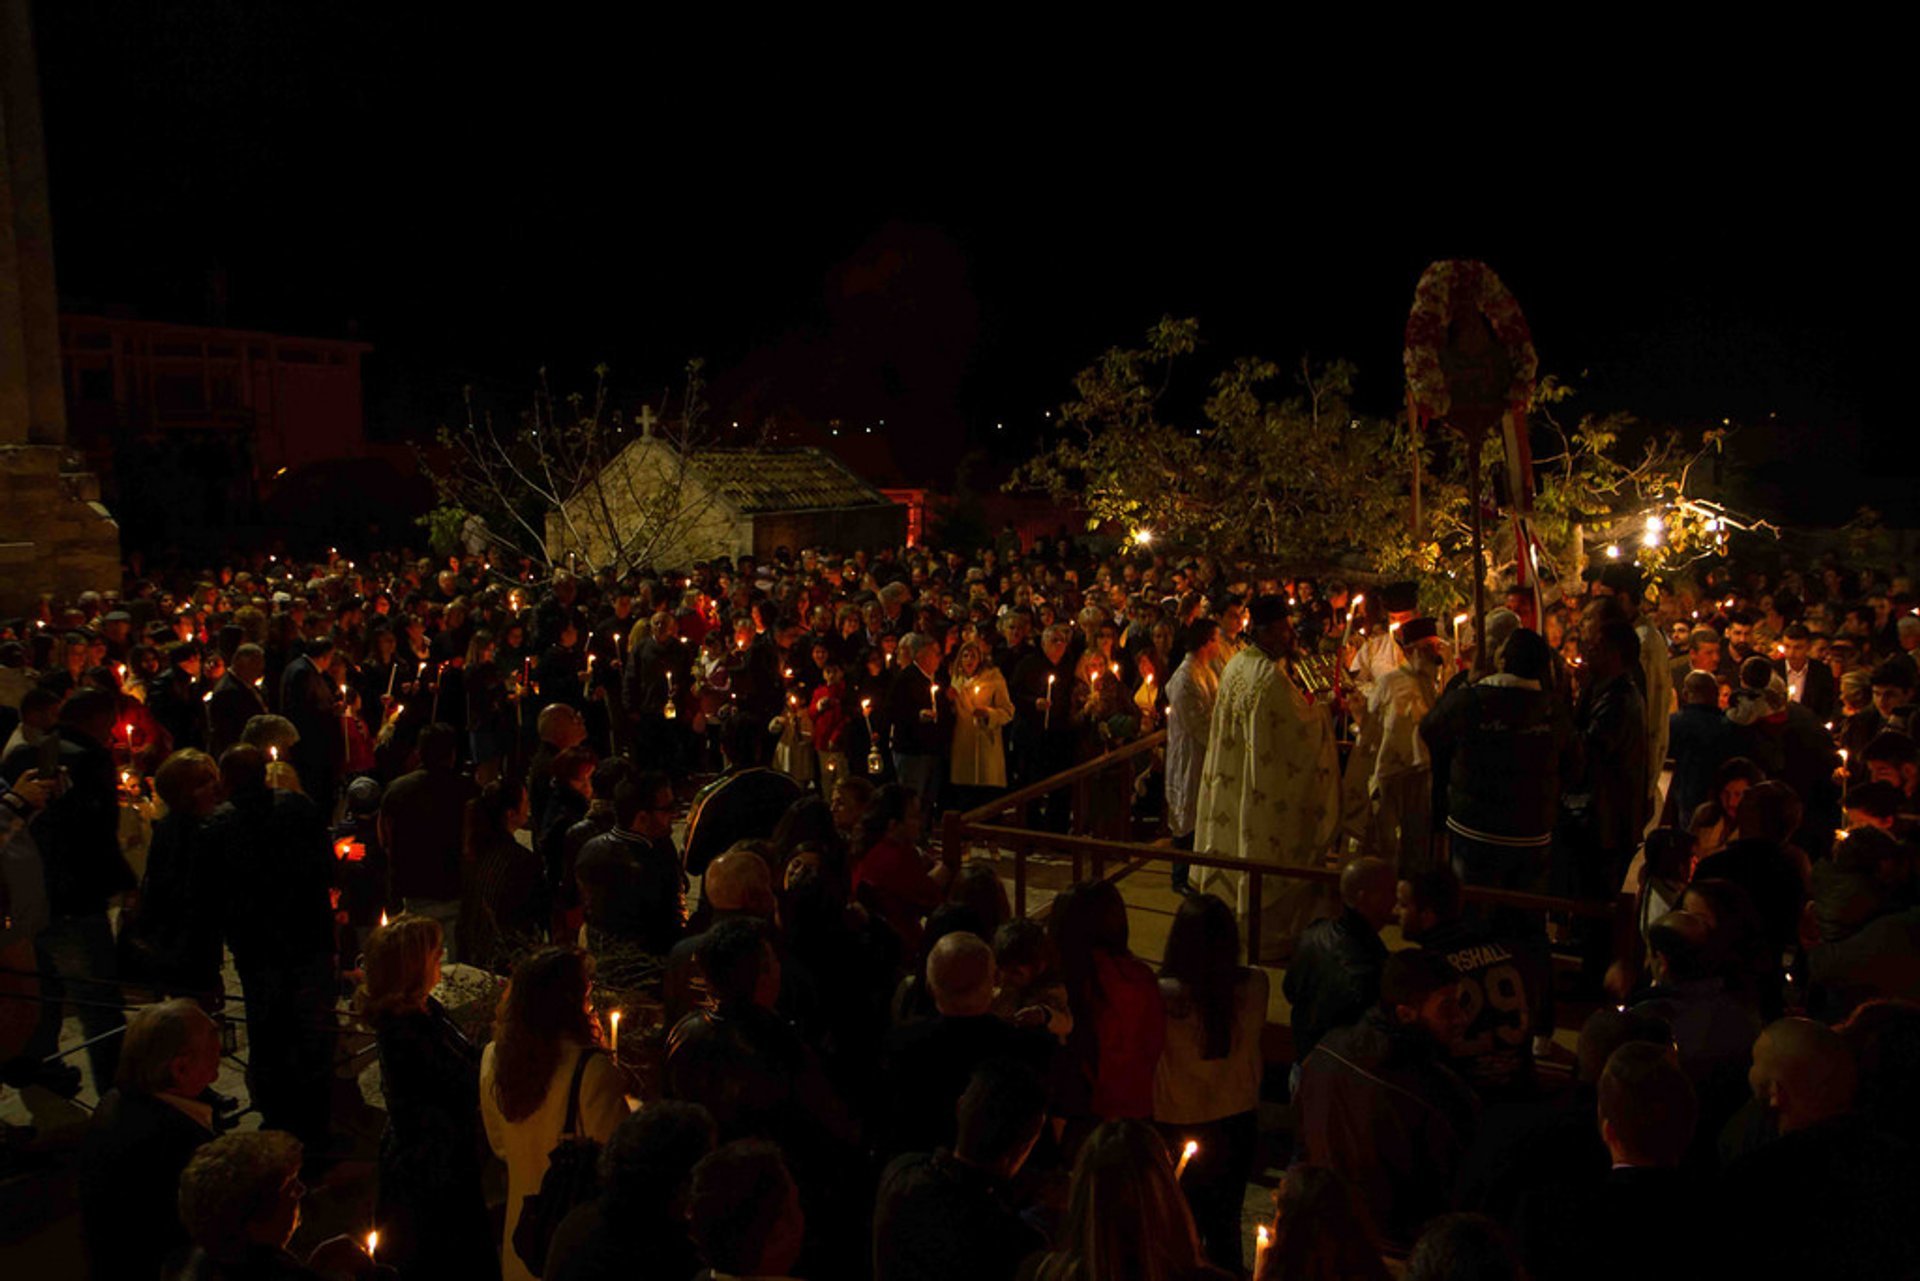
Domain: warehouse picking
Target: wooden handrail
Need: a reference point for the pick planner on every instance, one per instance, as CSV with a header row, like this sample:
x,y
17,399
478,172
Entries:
x,y
1054,782
1128,851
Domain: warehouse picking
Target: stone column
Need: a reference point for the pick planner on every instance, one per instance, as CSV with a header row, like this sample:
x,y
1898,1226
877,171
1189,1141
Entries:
x,y
54,534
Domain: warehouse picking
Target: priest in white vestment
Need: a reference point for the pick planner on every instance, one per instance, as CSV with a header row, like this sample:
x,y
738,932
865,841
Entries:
x,y
1270,787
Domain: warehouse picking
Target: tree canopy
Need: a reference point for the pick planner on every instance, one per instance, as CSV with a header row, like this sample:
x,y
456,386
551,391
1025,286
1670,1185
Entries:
x,y
1275,466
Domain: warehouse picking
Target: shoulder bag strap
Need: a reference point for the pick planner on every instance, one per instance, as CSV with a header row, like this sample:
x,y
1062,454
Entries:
x,y
571,1126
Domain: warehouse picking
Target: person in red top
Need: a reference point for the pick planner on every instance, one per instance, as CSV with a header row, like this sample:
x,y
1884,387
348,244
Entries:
x,y
828,708
891,878
1119,1021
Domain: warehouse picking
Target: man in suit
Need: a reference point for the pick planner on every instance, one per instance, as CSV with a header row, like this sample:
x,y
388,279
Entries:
x,y
236,699
1629,1225
146,1129
312,703
1809,683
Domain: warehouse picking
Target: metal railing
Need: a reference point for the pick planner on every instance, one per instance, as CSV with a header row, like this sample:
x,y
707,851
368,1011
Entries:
x,y
1090,854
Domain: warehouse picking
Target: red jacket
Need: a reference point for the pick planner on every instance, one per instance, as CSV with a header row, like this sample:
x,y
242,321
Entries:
x,y
829,711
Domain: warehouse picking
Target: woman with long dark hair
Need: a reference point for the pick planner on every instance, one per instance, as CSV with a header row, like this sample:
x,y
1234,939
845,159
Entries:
x,y
1119,1021
544,1030
1206,1089
431,1207
1126,1219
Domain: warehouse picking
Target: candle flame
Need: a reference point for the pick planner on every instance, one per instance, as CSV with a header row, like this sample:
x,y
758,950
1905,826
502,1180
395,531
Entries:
x,y
373,1243
273,753
1264,1237
383,919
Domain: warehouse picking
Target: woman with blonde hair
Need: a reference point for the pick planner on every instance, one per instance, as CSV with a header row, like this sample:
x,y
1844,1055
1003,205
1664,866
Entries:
x,y
544,1040
982,710
430,1206
1126,1219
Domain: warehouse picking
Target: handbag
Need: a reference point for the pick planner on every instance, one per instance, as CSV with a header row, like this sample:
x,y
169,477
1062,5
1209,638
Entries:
x,y
572,1179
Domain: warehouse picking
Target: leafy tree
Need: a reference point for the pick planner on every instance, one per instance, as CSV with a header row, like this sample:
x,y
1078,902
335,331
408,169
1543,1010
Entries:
x,y
1282,471
1291,479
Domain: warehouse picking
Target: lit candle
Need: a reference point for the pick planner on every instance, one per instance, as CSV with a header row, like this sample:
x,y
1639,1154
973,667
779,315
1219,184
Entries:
x,y
383,918
208,698
373,1244
273,753
1046,722
1843,758
1186,1155
1262,1239
130,737
614,1037
933,699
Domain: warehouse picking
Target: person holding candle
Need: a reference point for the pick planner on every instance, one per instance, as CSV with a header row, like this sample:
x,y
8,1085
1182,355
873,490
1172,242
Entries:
x,y
430,1206
1206,1087
77,833
920,717
982,710
1125,1215
544,1037
269,873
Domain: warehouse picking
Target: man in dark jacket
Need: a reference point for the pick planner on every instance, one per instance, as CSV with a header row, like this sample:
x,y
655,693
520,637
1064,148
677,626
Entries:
x,y
174,697
236,699
1043,731
79,842
1512,747
1605,807
1379,1105
1832,1196
948,1215
1700,739
926,1064
422,817
1334,977
1810,683
146,1129
920,715
632,890
1624,1223
312,703
269,871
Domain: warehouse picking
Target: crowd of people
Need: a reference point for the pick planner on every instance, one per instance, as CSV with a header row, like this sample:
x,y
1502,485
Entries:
x,y
844,1056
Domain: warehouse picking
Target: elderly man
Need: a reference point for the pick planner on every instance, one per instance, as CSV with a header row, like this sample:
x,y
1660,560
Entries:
x,y
236,699
920,714
927,1063
141,1138
1269,790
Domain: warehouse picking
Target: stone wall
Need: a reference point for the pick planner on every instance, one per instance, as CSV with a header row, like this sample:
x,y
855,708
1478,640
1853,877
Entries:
x,y
55,537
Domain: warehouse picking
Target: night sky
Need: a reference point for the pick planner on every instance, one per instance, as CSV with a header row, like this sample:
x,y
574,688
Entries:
x,y
941,251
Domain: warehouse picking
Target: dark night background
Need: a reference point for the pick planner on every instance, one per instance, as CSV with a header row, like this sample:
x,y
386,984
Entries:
x,y
943,252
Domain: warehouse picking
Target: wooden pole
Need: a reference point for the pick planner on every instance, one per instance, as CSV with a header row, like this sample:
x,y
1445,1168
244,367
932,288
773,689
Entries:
x,y
1480,655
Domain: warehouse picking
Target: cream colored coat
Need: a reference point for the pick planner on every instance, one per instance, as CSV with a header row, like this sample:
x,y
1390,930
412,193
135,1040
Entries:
x,y
1269,791
525,1144
980,751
